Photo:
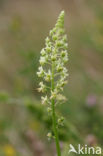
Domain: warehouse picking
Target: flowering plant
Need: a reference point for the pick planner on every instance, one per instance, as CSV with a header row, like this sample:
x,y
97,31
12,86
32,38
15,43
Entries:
x,y
53,72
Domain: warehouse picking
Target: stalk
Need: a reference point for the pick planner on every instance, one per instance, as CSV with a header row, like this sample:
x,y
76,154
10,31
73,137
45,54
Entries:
x,y
54,116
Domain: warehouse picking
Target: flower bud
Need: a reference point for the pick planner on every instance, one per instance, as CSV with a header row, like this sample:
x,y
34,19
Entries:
x,y
47,40
48,49
53,57
59,44
54,37
59,68
51,32
63,53
61,31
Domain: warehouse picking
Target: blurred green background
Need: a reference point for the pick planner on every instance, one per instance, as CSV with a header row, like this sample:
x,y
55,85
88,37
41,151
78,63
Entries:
x,y
24,123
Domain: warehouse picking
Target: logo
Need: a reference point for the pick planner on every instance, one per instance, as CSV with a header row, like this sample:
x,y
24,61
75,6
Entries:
x,y
84,149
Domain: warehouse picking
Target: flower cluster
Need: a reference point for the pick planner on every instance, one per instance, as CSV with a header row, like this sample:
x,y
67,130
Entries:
x,y
54,55
55,52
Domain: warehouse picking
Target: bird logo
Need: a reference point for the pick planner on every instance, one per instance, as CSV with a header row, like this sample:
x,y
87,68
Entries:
x,y
72,149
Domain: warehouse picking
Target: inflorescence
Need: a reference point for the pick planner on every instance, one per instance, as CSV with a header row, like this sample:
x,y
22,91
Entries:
x,y
54,55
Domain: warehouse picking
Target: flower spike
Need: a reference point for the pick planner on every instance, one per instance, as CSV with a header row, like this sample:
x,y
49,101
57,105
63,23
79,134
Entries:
x,y
54,73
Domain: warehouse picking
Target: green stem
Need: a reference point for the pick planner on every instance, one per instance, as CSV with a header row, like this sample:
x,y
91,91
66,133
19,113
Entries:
x,y
54,116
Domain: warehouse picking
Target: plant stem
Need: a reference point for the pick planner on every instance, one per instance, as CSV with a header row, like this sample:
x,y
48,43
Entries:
x,y
54,115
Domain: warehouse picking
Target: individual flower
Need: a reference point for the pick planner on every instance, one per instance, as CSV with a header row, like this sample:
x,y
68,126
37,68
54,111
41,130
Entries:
x,y
64,73
64,56
42,87
49,135
61,121
47,40
65,38
9,150
59,44
59,67
53,57
43,52
42,60
41,72
65,59
63,53
48,48
65,46
61,83
54,37
59,86
61,97
54,94
44,99
48,76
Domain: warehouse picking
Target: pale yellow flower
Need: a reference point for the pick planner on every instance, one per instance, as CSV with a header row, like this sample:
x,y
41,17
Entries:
x,y
9,150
